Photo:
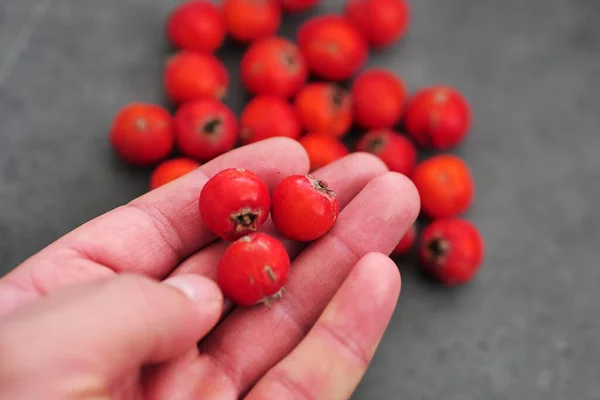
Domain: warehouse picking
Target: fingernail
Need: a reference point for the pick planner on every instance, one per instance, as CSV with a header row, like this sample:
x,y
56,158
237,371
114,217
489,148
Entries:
x,y
195,288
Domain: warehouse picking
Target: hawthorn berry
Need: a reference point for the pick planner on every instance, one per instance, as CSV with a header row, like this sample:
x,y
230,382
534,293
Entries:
x,y
303,208
273,66
254,269
196,25
406,243
333,48
142,134
234,202
395,150
297,6
170,170
451,250
205,129
379,98
445,185
265,117
322,149
191,76
248,20
438,117
325,108
382,22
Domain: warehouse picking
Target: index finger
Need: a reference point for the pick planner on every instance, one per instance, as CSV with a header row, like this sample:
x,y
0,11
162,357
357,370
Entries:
x,y
154,232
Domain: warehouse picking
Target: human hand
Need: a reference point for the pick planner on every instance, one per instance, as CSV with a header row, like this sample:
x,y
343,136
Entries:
x,y
115,308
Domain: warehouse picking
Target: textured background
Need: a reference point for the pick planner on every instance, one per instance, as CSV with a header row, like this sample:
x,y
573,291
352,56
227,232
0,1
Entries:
x,y
527,328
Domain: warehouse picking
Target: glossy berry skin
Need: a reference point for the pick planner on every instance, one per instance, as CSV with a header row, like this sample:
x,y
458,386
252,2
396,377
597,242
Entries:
x,y
142,134
451,250
254,269
248,20
273,66
438,117
379,97
333,48
325,108
234,203
382,22
169,170
266,117
303,208
205,129
322,149
406,243
445,185
395,150
297,6
191,76
196,25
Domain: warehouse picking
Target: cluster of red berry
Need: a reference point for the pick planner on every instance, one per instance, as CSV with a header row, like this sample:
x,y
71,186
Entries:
x,y
332,48
236,202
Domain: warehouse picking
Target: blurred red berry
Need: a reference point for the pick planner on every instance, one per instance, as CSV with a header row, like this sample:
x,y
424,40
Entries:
x,y
266,117
196,25
322,149
205,129
273,66
325,108
379,98
395,150
438,117
142,134
191,76
382,22
333,48
170,170
445,185
451,250
248,20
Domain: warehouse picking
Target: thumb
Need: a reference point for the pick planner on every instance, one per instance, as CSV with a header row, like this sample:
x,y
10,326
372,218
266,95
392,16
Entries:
x,y
114,326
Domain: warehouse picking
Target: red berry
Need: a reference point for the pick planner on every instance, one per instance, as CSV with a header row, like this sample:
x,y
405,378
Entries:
x,y
406,243
170,170
333,48
395,150
248,20
142,134
273,66
234,202
451,250
191,76
322,149
303,208
382,22
379,98
445,185
438,117
265,117
254,269
196,25
205,129
296,6
324,108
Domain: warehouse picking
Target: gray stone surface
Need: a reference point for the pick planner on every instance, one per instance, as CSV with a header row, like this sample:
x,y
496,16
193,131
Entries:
x,y
527,328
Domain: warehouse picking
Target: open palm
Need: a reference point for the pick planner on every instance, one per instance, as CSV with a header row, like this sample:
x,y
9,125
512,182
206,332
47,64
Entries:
x,y
316,342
